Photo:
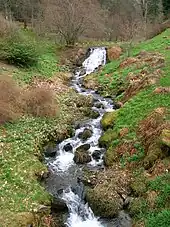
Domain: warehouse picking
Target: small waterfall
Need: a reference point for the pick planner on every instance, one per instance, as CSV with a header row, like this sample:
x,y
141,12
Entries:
x,y
80,214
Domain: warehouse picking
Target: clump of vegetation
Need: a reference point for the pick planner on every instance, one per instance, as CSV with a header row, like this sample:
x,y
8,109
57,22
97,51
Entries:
x,y
15,102
20,51
40,102
10,103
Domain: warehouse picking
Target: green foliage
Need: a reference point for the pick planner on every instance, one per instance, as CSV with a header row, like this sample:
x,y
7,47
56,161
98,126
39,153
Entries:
x,y
162,185
22,54
20,49
161,219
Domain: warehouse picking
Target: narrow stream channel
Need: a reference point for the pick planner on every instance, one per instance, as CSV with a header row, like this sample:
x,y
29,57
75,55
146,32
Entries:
x,y
65,171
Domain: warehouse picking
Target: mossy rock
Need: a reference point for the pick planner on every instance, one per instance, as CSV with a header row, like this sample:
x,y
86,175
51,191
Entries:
x,y
108,119
86,134
154,153
111,156
82,155
102,206
108,137
91,81
165,137
25,219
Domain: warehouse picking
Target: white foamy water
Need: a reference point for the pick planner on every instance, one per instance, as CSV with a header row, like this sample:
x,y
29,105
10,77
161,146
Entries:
x,y
96,58
80,214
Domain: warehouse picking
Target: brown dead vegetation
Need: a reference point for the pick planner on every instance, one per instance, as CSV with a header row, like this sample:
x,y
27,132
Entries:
x,y
39,102
149,75
114,53
6,27
15,102
149,132
151,127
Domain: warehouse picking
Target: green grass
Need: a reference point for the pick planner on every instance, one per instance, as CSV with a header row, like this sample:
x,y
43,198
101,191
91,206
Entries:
x,y
21,141
132,113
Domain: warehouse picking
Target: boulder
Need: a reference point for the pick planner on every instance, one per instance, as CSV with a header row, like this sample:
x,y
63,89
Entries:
x,y
114,53
97,154
50,150
58,205
91,81
118,105
68,147
108,195
108,137
86,134
108,119
81,155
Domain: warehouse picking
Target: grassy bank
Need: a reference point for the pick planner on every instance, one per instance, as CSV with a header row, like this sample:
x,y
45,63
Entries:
x,y
21,196
141,83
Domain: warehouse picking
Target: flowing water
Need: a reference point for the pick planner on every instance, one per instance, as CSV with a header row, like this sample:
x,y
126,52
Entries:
x,y
65,171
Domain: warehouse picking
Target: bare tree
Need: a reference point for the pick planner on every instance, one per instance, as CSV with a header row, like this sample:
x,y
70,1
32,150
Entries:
x,y
69,18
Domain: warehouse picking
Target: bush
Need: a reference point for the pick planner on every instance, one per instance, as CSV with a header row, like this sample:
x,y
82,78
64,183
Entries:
x,y
19,49
40,102
14,102
10,103
21,53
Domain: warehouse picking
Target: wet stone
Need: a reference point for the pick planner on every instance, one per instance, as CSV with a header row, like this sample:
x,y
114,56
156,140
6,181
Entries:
x,y
83,148
50,151
58,205
86,134
99,105
81,155
97,154
68,147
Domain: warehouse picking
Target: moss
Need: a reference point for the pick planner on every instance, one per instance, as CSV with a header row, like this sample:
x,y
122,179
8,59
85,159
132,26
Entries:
x,y
102,205
111,156
108,137
91,82
138,207
108,119
139,185
154,153
165,137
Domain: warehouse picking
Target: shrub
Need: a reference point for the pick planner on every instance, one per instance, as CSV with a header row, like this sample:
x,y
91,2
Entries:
x,y
40,102
7,112
19,49
22,53
10,103
14,102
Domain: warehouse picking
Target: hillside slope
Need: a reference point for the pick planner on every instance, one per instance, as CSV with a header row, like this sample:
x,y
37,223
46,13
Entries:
x,y
137,136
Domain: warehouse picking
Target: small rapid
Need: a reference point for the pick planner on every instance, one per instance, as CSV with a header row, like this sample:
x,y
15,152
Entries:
x,y
63,165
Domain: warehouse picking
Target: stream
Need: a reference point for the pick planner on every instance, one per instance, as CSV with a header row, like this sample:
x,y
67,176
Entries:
x,y
64,181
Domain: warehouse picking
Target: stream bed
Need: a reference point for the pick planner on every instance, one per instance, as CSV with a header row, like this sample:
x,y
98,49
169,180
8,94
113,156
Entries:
x,y
63,181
